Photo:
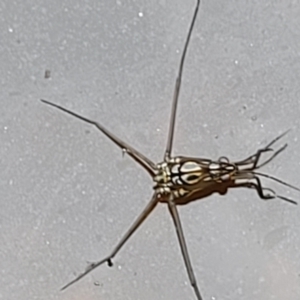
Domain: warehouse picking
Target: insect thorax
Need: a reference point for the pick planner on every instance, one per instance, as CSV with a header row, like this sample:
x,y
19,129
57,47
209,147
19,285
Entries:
x,y
190,178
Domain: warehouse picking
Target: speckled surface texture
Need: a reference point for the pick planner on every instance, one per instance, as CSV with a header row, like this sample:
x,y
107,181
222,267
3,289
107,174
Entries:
x,y
68,195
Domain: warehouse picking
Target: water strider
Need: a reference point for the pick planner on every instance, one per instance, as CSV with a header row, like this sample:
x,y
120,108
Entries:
x,y
180,180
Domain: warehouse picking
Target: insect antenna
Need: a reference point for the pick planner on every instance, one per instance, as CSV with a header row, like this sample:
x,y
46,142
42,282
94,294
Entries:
x,y
277,180
281,182
267,148
254,158
272,157
168,150
251,164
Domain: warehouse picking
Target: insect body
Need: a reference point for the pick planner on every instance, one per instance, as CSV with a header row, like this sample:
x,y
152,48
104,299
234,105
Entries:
x,y
180,180
190,179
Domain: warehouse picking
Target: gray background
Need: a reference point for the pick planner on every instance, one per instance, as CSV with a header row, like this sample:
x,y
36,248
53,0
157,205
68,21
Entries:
x,y
68,195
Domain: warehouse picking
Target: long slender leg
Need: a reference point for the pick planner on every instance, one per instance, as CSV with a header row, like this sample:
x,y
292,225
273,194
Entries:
x,y
175,216
177,88
143,215
146,163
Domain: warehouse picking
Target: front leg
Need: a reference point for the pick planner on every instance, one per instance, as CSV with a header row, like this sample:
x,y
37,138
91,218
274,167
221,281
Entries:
x,y
264,193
